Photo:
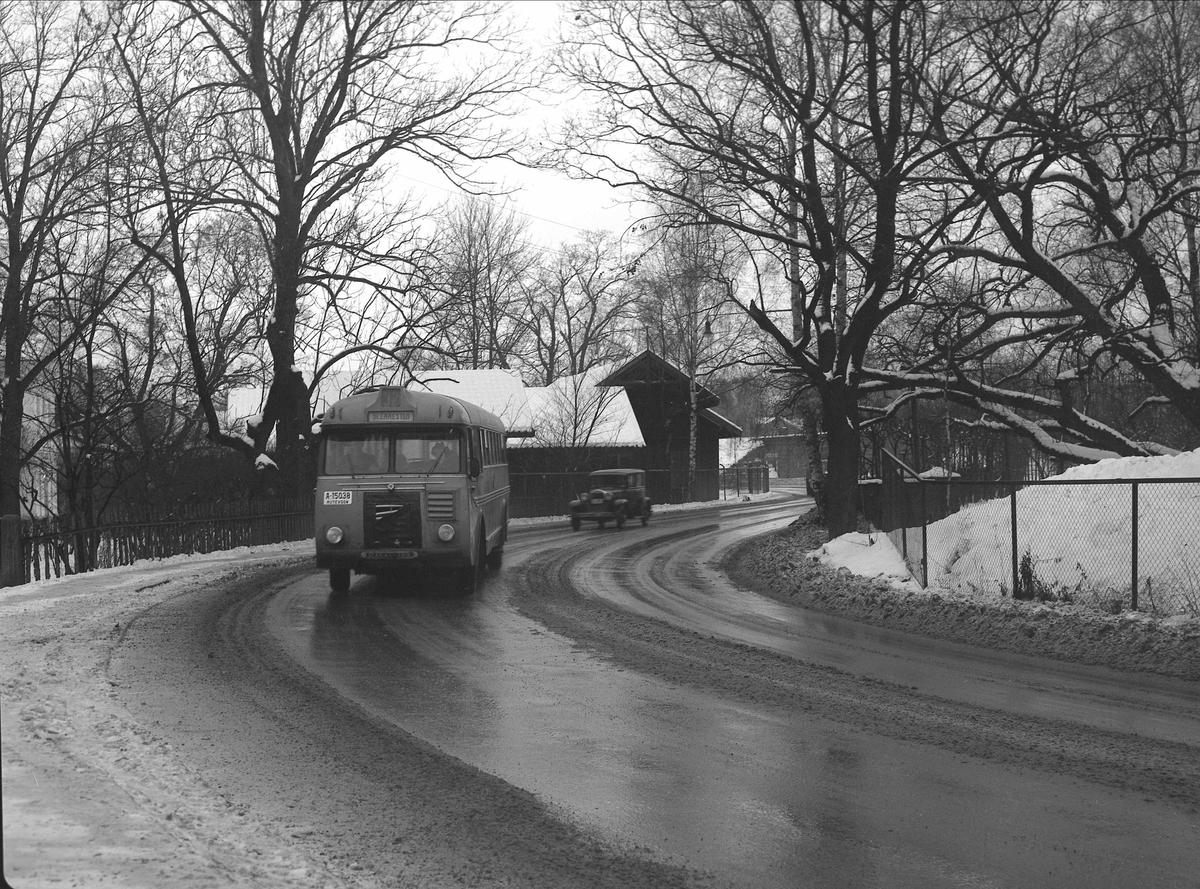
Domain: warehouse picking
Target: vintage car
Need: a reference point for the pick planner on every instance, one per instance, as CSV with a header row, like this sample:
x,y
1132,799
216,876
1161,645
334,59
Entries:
x,y
613,495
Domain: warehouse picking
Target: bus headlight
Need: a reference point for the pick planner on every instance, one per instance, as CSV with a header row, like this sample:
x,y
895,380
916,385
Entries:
x,y
334,534
445,533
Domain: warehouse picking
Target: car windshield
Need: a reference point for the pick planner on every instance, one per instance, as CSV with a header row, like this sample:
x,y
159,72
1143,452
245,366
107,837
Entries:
x,y
610,482
354,452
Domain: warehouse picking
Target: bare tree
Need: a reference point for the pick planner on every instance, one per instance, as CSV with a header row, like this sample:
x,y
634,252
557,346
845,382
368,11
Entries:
x,y
796,118
483,262
59,135
1072,131
301,107
577,308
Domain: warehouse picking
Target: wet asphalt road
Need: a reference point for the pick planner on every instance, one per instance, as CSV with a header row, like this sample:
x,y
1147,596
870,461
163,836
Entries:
x,y
756,786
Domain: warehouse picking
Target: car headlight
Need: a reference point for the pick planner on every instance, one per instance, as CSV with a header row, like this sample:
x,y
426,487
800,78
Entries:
x,y
445,533
334,534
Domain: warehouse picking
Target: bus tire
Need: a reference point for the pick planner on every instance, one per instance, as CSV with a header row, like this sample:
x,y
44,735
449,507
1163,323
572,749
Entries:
x,y
495,559
470,577
339,579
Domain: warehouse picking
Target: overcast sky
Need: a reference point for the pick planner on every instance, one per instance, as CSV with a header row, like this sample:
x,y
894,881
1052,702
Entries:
x,y
558,208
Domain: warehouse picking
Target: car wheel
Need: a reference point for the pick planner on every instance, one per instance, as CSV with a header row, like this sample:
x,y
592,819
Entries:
x,y
339,580
601,523
621,521
575,523
646,516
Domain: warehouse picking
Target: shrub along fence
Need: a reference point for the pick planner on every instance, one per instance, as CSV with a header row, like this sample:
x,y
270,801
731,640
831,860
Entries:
x,y
1112,544
549,493
49,550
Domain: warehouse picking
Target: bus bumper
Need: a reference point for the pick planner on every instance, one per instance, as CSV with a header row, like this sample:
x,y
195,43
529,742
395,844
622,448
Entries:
x,y
386,561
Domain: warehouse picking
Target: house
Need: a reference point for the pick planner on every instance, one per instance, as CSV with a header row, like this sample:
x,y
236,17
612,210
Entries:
x,y
661,396
783,445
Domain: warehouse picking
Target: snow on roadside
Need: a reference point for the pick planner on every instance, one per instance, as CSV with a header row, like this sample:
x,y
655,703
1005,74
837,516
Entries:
x,y
1078,538
867,555
91,795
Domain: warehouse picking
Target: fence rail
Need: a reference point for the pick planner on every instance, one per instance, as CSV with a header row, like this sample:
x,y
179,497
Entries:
x,y
1111,544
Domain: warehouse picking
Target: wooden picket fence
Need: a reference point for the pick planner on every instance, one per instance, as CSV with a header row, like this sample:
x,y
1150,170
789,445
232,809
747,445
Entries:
x,y
49,550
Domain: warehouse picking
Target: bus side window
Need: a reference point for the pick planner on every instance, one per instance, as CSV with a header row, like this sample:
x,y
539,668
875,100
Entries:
x,y
476,461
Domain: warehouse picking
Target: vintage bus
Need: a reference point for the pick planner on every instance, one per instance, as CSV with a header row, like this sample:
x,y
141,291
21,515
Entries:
x,y
409,481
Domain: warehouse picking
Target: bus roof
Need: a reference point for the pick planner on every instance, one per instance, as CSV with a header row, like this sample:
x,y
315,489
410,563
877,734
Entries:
x,y
394,405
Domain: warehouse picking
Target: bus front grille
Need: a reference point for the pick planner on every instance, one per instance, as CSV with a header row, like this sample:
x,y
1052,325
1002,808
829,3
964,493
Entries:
x,y
441,506
392,518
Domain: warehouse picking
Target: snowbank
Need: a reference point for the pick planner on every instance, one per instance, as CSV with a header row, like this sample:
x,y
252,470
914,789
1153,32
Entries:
x,y
867,555
1074,541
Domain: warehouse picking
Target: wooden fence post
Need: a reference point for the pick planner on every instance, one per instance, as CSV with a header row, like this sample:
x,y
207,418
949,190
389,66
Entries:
x,y
12,568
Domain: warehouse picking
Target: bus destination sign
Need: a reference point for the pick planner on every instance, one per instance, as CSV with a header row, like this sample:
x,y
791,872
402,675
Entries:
x,y
390,416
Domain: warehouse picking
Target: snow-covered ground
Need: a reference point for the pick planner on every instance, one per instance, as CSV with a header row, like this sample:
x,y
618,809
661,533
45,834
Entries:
x,y
90,795
867,555
1078,539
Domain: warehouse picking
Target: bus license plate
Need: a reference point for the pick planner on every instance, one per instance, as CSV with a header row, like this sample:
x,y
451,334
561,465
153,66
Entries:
x,y
389,554
339,498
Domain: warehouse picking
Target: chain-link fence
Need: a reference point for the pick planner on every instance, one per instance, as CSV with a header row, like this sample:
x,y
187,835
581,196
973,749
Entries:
x,y
1111,544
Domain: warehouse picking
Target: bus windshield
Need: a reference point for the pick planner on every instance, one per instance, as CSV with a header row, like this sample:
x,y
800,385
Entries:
x,y
363,452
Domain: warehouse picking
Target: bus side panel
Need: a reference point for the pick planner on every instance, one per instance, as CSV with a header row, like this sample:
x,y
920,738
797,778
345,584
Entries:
x,y
491,488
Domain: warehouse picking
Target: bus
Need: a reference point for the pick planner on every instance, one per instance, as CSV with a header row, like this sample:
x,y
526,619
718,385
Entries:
x,y
409,481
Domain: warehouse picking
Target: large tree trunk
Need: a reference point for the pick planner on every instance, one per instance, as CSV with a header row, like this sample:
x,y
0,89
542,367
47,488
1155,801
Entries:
x,y
841,480
11,420
287,409
816,468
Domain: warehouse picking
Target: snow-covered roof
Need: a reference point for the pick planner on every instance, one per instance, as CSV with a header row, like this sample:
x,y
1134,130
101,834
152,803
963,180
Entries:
x,y
572,411
576,412
500,392
726,428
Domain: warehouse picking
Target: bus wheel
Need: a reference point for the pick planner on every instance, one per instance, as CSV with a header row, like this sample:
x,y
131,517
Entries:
x,y
339,579
495,558
470,578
